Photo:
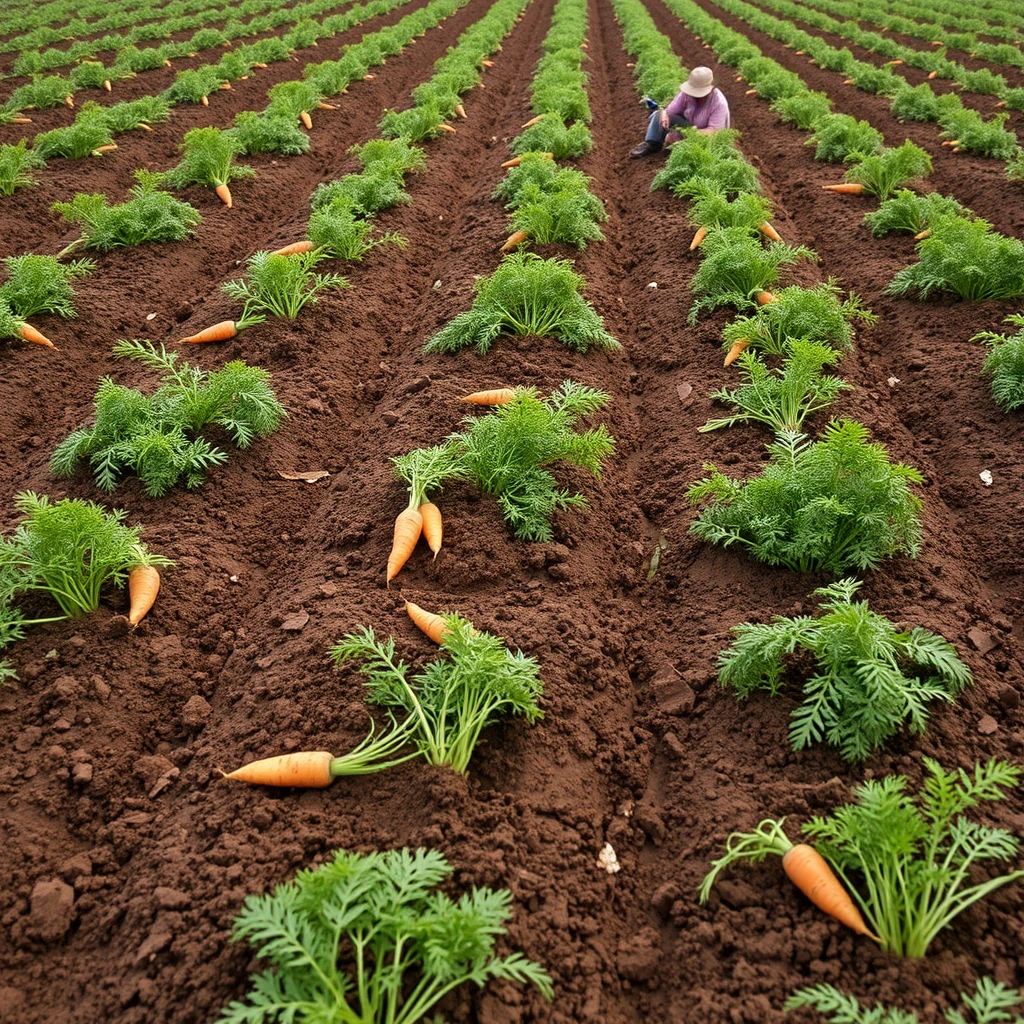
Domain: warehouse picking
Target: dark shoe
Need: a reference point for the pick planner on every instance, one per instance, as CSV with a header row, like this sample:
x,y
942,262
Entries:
x,y
644,149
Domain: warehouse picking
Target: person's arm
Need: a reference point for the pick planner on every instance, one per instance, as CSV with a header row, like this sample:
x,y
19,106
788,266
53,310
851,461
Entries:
x,y
674,109
718,116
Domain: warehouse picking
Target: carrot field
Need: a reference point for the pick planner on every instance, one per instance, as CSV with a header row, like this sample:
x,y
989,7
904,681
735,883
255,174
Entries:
x,y
127,856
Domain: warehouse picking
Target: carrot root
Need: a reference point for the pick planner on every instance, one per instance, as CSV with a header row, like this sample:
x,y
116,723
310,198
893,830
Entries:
x,y
533,121
846,188
763,298
698,237
225,195
769,232
306,119
205,100
29,333
811,874
433,526
497,396
460,110
218,332
738,347
308,769
432,625
933,74
295,248
107,85
143,586
922,234
750,92
447,128
408,527
515,239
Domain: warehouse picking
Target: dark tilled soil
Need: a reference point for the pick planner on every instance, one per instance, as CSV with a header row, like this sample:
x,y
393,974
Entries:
x,y
111,785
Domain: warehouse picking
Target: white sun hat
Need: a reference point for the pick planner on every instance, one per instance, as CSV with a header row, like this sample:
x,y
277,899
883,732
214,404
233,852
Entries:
x,y
700,83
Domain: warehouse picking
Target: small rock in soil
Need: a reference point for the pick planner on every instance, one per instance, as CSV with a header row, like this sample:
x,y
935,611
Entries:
x,y
639,956
1009,698
390,418
684,391
418,384
117,626
196,711
981,641
152,769
170,899
28,738
52,909
987,725
76,866
82,773
295,621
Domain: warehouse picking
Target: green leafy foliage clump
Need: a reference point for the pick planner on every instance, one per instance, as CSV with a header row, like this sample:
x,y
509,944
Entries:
x,y
15,163
907,211
155,436
711,159
83,136
871,679
150,215
826,506
526,295
839,138
40,284
475,682
1004,364
781,398
341,233
262,133
381,183
281,285
813,314
370,938
803,109
208,159
550,135
712,208
965,257
882,173
988,1004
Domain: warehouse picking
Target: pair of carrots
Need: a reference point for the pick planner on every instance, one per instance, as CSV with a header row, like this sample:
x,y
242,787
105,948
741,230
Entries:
x,y
740,345
702,232
311,769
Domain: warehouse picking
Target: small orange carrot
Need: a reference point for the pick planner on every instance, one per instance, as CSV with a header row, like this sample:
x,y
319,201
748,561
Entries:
x,y
432,625
515,239
846,188
738,346
849,81
21,120
205,100
326,106
951,142
226,86
698,237
533,121
368,77
811,874
108,148
225,194
739,78
433,527
29,333
145,127
769,232
922,234
308,769
408,527
750,92
487,63
143,586
514,162
460,110
1001,103
218,332
69,100
894,63
800,53
497,396
447,128
306,119
295,248
106,84
257,64
763,298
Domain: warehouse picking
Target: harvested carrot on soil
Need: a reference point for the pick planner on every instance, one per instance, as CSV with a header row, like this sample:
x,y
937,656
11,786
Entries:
x,y
460,110
408,527
307,769
143,586
224,330
296,247
497,396
448,128
769,232
431,624
306,120
433,526
699,236
224,193
516,238
29,333
738,347
846,188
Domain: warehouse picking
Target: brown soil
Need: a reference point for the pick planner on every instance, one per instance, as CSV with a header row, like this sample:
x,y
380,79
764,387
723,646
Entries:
x,y
639,746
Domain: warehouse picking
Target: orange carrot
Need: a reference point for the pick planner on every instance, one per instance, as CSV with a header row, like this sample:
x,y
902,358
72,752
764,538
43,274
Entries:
x,y
515,161
433,625
145,127
21,120
895,62
739,78
326,106
106,84
205,100
498,396
433,527
515,239
69,100
922,234
29,333
306,119
951,142
849,81
738,346
763,298
933,74
699,237
846,188
295,248
800,53
143,586
447,128
218,332
810,873
257,64
225,194
368,78
533,121
750,92
460,110
310,769
487,63
108,148
408,527
769,232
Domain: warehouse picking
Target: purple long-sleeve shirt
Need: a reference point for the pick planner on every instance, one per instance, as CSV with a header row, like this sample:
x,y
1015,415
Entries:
x,y
711,111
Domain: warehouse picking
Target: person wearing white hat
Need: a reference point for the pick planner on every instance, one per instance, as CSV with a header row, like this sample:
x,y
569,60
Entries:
x,y
699,105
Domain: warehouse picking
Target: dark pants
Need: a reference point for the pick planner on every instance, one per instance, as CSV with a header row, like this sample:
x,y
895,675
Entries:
x,y
655,133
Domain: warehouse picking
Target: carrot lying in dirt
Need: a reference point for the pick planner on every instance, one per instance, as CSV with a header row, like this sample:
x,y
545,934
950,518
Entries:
x,y
699,236
143,586
433,526
497,396
306,120
29,333
308,769
408,527
739,346
432,625
451,129
846,188
460,110
750,92
295,248
224,330
514,162
763,298
533,121
515,239
769,232
225,195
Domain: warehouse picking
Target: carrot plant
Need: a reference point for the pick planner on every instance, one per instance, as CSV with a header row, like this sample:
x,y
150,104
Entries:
x,y
475,682
149,215
803,109
339,231
39,284
259,133
871,678
882,173
713,158
281,285
16,161
840,137
824,506
155,436
370,939
908,211
781,398
910,862
526,295
208,159
1004,364
85,135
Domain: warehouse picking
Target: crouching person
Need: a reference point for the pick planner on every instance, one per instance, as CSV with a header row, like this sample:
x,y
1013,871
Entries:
x,y
699,105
